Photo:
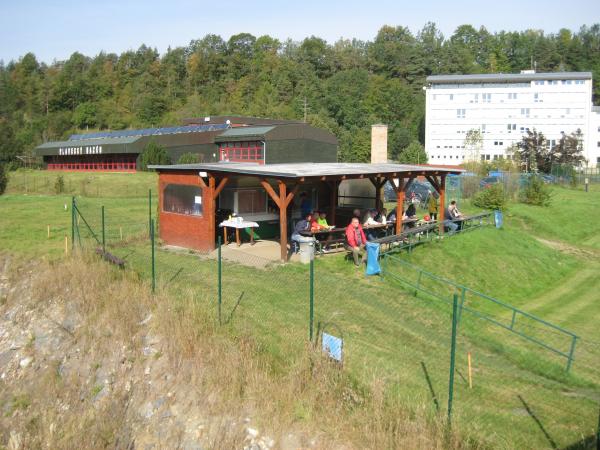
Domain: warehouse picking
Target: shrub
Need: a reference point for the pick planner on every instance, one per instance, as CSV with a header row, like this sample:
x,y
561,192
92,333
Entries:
x,y
536,192
59,184
154,154
491,197
189,158
3,178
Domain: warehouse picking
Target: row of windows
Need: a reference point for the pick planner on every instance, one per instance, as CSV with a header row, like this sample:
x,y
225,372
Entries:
x,y
461,113
242,151
555,82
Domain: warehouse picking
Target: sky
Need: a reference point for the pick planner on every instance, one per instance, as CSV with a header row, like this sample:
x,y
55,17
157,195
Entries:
x,y
54,29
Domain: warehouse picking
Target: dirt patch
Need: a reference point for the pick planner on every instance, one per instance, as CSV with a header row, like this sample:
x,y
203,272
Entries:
x,y
568,248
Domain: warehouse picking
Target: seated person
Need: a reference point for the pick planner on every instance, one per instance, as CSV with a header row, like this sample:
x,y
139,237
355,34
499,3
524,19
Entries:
x,y
303,225
382,216
314,223
453,217
409,214
355,241
369,221
356,213
322,220
392,216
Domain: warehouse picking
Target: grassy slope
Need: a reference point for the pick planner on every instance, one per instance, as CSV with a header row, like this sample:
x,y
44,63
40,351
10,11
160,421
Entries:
x,y
387,332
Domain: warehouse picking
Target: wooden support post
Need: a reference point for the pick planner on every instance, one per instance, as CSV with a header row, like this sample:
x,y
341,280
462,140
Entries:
x,y
470,373
48,231
442,211
333,200
283,241
209,209
399,205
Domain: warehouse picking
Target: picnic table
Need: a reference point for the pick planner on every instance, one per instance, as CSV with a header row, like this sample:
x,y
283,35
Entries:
x,y
327,234
238,224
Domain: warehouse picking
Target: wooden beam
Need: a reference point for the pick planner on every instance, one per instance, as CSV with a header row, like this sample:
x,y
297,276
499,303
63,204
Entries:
x,y
399,205
291,195
210,210
265,184
202,182
442,206
220,187
333,200
282,220
434,182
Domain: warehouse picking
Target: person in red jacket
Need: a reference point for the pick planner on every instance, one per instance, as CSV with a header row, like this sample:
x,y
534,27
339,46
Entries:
x,y
355,241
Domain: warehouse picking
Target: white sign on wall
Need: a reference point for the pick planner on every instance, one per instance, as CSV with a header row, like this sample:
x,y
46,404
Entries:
x,y
85,150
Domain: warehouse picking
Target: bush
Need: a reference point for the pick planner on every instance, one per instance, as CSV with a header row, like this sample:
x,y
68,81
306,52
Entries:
x,y
154,154
491,197
3,178
536,192
189,158
59,184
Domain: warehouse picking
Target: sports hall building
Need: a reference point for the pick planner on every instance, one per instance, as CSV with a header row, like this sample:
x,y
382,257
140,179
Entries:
x,y
213,139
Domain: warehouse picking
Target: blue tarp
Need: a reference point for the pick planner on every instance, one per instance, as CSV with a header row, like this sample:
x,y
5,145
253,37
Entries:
x,y
372,259
498,218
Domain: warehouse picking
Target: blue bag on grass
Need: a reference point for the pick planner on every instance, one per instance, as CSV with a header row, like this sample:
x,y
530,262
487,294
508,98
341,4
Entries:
x,y
373,267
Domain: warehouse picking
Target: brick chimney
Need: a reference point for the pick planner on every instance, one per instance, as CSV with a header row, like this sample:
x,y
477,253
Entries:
x,y
379,143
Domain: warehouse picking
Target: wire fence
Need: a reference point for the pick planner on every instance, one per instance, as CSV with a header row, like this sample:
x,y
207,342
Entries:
x,y
502,390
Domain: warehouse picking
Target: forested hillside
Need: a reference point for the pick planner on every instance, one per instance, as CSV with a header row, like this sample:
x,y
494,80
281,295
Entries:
x,y
344,87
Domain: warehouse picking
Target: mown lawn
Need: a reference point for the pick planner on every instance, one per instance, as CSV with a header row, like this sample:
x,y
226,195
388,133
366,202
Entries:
x,y
389,335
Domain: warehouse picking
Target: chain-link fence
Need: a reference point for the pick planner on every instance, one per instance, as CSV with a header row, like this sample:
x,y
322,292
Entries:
x,y
505,390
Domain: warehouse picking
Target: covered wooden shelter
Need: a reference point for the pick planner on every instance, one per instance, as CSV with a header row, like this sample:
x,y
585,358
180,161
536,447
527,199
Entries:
x,y
195,225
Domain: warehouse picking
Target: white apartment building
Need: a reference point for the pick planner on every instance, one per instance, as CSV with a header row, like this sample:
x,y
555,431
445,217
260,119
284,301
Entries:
x,y
503,107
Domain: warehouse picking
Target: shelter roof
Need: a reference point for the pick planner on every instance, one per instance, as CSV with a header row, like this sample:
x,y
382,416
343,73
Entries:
x,y
300,170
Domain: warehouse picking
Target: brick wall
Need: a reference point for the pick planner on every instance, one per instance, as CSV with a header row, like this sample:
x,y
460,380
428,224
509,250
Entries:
x,y
195,232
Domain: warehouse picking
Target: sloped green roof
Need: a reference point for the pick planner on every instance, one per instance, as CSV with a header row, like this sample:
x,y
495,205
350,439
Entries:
x,y
243,133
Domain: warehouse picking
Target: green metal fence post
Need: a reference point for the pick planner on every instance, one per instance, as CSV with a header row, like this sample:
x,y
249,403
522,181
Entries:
x,y
311,299
72,223
598,432
150,225
571,352
219,280
452,357
103,232
153,262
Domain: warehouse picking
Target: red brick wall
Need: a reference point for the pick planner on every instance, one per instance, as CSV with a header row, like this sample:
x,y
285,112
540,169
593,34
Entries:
x,y
195,232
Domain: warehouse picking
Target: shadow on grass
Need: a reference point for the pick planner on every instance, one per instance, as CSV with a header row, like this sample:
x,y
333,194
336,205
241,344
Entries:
x,y
431,390
538,422
237,303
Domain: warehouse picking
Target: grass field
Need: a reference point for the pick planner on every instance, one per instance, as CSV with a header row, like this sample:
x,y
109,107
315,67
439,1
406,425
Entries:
x,y
544,261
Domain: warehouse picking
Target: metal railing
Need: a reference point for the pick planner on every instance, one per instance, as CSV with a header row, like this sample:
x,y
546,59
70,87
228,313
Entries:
x,y
464,290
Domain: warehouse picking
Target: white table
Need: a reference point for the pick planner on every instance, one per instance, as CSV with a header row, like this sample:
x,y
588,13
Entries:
x,y
238,225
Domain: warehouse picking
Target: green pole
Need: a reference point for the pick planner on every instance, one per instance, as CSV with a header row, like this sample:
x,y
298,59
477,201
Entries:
x,y
219,279
598,433
103,232
452,357
72,223
153,262
311,298
150,209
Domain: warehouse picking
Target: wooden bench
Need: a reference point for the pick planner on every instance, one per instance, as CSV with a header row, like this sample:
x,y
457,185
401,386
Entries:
x,y
111,258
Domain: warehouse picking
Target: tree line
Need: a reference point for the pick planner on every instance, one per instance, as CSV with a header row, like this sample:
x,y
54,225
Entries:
x,y
343,87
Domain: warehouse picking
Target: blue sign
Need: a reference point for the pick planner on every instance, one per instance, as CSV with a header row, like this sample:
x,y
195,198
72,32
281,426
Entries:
x,y
332,346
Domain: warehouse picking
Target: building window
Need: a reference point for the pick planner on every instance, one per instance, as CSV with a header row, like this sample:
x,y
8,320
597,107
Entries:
x,y
511,127
536,98
552,82
598,143
482,128
525,112
487,98
251,201
182,199
578,81
512,95
451,96
540,82
566,81
476,98
242,151
460,113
